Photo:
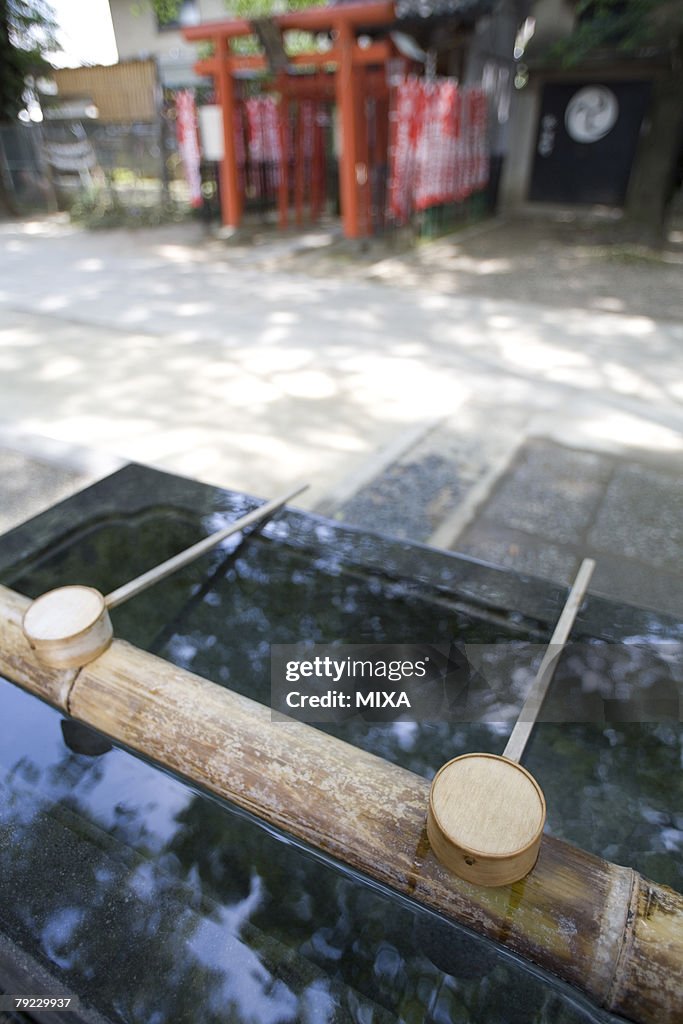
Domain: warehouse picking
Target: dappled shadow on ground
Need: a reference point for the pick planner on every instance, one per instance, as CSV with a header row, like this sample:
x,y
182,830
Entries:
x,y
161,348
562,261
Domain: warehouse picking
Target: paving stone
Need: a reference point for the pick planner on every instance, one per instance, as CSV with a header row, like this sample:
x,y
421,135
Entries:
x,y
621,579
553,507
408,499
30,485
510,549
420,489
641,517
624,514
550,491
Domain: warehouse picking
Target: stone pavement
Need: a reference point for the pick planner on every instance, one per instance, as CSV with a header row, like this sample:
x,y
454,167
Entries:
x,y
555,505
541,511
523,433
30,485
37,472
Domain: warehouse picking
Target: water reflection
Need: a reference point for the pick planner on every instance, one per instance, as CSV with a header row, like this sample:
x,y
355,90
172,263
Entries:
x,y
163,906
607,752
158,905
601,751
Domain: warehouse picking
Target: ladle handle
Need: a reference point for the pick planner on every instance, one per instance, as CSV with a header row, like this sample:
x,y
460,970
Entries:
x,y
171,565
519,737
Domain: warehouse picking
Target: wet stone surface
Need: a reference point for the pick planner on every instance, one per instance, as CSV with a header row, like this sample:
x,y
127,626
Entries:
x,y
409,499
638,584
550,508
551,491
555,506
422,488
513,549
653,530
107,863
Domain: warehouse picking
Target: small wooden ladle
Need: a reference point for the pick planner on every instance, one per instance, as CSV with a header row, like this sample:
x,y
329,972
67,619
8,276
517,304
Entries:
x,y
70,626
486,813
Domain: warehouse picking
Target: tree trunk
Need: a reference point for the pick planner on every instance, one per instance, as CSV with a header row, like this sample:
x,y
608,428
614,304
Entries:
x,y
8,206
652,182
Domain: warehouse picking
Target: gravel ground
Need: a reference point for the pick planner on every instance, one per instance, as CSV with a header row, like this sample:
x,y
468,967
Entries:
x,y
560,259
443,486
416,492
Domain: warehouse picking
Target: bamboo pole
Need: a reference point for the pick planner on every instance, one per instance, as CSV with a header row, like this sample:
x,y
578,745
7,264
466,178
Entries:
x,y
52,685
600,927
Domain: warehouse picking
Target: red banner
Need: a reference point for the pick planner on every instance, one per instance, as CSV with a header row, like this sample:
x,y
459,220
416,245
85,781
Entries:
x,y
404,127
188,143
438,150
263,133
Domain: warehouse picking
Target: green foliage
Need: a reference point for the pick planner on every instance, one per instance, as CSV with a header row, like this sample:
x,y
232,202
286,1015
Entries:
x,y
262,8
295,42
104,208
623,25
166,10
27,32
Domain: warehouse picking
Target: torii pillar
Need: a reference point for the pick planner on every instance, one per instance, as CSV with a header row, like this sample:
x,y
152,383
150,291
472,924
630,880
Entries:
x,y
345,60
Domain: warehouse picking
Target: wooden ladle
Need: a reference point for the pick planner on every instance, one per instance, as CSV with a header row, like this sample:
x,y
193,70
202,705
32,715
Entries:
x,y
70,626
486,812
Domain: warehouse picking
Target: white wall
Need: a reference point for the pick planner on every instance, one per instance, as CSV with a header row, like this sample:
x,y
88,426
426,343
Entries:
x,y
554,20
490,64
514,184
137,35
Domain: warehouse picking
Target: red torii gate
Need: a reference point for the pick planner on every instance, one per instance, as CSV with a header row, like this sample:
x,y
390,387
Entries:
x,y
343,59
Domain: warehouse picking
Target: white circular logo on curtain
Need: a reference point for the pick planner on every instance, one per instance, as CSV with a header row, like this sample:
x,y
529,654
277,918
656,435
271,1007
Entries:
x,y
591,113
